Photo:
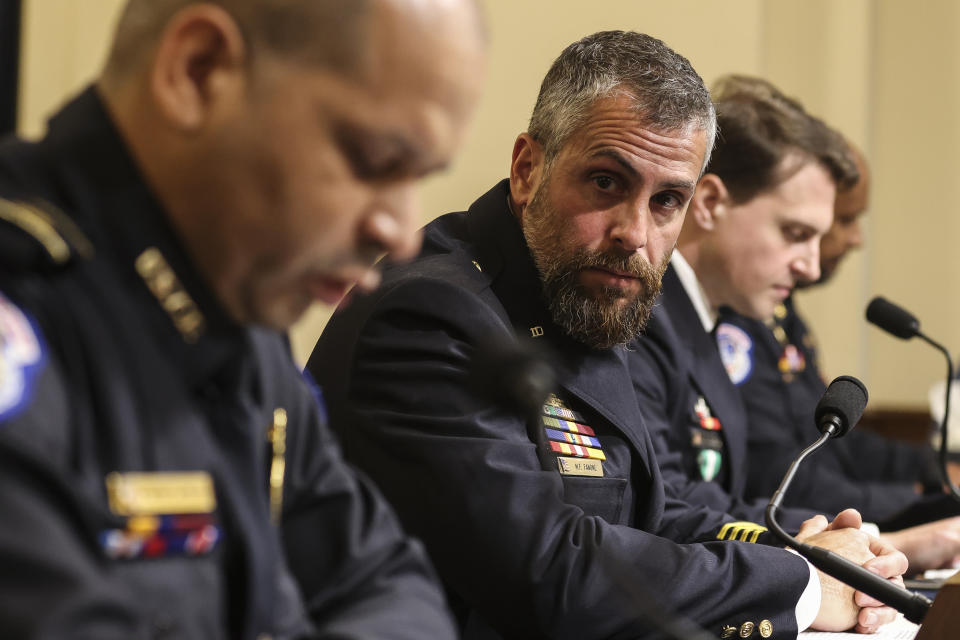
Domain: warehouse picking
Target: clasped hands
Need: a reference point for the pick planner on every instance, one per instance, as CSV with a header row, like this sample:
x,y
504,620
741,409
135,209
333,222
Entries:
x,y
841,607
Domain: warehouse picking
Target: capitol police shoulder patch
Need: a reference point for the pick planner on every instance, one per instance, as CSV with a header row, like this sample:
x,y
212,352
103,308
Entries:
x,y
736,351
21,358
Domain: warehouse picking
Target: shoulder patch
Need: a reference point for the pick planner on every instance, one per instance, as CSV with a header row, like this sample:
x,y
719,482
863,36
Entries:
x,y
21,358
736,351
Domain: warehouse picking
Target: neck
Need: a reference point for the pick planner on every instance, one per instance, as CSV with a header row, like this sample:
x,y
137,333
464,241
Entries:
x,y
694,254
162,157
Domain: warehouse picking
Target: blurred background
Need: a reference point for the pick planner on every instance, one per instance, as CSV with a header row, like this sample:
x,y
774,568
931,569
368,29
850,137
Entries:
x,y
886,73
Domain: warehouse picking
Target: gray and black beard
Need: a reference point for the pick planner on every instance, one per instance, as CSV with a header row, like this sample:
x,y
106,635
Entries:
x,y
601,320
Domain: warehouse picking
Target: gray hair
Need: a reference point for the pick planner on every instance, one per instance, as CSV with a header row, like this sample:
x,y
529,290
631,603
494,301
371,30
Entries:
x,y
668,92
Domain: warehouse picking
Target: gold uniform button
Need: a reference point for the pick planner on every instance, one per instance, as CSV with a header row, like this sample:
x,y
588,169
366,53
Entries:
x,y
780,334
765,628
746,629
264,636
728,632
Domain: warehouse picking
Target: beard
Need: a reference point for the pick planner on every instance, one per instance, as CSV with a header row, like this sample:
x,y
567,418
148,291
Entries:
x,y
600,319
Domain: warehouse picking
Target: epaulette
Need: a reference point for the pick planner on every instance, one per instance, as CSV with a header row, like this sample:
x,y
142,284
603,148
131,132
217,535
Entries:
x,y
38,236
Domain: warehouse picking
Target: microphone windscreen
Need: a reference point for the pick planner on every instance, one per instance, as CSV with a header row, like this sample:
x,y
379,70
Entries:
x,y
515,374
845,398
892,318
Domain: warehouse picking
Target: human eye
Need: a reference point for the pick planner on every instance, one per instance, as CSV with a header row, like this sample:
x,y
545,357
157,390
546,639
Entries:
x,y
371,156
372,161
669,200
604,182
846,222
796,233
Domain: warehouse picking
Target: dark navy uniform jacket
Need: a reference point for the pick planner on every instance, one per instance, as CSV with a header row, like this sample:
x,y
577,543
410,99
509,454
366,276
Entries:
x,y
862,470
119,367
532,542
694,413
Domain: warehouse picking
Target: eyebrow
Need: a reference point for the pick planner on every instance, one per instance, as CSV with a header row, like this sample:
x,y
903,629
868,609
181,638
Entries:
x,y
685,185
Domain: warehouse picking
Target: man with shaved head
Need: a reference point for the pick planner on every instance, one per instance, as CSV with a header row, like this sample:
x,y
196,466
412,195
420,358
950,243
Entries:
x,y
167,472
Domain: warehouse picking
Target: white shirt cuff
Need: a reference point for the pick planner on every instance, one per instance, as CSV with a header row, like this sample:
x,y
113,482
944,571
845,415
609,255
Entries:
x,y
871,528
809,604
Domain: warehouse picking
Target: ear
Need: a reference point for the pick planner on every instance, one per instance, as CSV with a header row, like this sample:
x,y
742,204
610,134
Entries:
x,y
201,56
526,171
709,202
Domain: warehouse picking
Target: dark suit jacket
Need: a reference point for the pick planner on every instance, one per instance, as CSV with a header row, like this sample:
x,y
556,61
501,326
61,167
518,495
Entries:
x,y
862,470
675,364
526,551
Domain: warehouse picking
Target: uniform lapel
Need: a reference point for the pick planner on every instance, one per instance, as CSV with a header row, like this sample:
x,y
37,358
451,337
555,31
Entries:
x,y
602,380
709,376
599,378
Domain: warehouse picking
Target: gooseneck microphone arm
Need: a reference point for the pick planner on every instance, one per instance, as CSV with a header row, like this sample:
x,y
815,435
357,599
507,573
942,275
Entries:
x,y
899,322
837,412
944,472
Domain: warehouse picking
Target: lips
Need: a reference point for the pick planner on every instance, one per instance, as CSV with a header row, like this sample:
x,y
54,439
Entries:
x,y
330,289
609,277
783,291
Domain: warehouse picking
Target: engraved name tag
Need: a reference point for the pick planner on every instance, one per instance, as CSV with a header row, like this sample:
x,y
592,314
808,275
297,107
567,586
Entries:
x,y
580,467
156,493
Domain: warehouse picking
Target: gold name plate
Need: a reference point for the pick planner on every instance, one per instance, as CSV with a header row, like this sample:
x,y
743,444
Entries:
x,y
580,467
160,493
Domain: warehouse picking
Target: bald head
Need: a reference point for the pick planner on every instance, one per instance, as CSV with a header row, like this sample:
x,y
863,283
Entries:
x,y
845,233
332,33
285,138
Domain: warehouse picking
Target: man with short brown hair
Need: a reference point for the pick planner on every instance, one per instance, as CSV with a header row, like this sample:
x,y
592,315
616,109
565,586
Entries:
x,y
753,234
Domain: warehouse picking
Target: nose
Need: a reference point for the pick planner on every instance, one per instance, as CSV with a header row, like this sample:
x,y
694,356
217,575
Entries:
x,y
392,225
631,225
806,267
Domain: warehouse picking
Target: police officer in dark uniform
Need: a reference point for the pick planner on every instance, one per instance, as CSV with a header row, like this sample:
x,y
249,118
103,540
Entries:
x,y
692,407
556,524
166,470
882,476
695,415
748,234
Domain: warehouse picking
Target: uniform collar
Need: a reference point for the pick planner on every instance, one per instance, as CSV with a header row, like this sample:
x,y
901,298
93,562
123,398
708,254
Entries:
x,y
103,189
694,290
503,254
598,377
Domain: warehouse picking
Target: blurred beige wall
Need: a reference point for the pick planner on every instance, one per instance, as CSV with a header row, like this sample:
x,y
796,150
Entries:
x,y
63,44
884,72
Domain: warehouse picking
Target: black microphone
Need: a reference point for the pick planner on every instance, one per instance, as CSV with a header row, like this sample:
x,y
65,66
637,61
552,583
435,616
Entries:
x,y
892,318
841,406
901,323
515,374
837,412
